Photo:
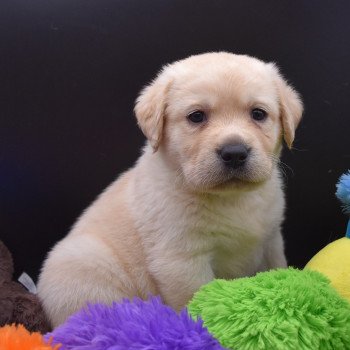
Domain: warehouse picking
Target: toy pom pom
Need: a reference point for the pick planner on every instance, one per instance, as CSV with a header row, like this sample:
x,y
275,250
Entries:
x,y
136,325
285,309
18,338
343,191
343,194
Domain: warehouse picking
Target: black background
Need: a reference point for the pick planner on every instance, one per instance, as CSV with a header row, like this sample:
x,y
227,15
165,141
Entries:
x,y
70,71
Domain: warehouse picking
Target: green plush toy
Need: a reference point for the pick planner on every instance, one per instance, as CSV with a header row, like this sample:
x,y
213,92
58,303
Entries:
x,y
284,309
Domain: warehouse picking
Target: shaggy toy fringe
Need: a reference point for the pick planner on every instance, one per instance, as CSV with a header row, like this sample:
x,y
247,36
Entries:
x,y
18,338
285,309
343,191
133,325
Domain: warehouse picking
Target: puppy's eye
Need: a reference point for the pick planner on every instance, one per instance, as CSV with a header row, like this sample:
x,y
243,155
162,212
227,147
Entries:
x,y
197,117
258,114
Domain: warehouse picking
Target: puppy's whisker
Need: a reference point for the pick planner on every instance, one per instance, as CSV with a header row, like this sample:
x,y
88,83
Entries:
x,y
288,167
282,166
299,149
206,179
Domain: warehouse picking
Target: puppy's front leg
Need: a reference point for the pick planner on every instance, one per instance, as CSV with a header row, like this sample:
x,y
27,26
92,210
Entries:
x,y
274,256
179,278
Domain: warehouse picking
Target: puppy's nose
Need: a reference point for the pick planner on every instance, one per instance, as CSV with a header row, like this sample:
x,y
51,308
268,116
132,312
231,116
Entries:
x,y
233,155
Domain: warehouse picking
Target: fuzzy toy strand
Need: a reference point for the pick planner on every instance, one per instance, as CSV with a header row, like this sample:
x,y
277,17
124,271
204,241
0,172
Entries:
x,y
285,309
343,194
133,325
18,338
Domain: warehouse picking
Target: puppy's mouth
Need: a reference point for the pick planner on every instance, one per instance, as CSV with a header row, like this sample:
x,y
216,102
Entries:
x,y
227,181
236,179
219,177
236,166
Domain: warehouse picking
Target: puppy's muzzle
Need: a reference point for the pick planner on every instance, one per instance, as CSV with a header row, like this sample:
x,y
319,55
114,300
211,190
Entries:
x,y
234,156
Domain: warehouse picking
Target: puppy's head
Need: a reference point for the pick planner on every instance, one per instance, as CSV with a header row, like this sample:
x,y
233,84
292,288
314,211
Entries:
x,y
218,119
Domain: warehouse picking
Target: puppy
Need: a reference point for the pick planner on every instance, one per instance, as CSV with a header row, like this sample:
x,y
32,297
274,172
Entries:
x,y
204,200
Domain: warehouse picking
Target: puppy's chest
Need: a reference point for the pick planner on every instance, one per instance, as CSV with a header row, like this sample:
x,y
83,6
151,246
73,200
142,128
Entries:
x,y
228,226
233,238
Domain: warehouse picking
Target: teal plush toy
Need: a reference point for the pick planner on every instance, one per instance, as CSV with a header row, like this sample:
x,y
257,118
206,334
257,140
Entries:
x,y
284,309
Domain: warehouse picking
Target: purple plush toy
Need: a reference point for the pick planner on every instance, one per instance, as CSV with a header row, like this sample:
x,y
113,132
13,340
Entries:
x,y
133,325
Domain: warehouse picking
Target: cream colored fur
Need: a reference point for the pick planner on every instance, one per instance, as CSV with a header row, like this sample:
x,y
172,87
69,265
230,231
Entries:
x,y
177,219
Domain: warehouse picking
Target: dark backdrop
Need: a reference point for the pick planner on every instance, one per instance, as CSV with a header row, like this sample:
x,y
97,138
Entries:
x,y
70,71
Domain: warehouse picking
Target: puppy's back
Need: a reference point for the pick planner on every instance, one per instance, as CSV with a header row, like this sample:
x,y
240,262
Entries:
x,y
101,259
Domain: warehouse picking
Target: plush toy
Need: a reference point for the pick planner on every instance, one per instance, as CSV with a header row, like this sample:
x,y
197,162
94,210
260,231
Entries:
x,y
17,305
133,325
18,338
285,309
334,259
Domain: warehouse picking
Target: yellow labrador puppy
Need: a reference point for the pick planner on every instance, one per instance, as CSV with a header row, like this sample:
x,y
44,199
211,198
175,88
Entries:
x,y
204,200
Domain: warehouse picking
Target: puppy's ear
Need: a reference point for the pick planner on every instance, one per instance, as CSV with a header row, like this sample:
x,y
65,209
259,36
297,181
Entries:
x,y
291,108
150,109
